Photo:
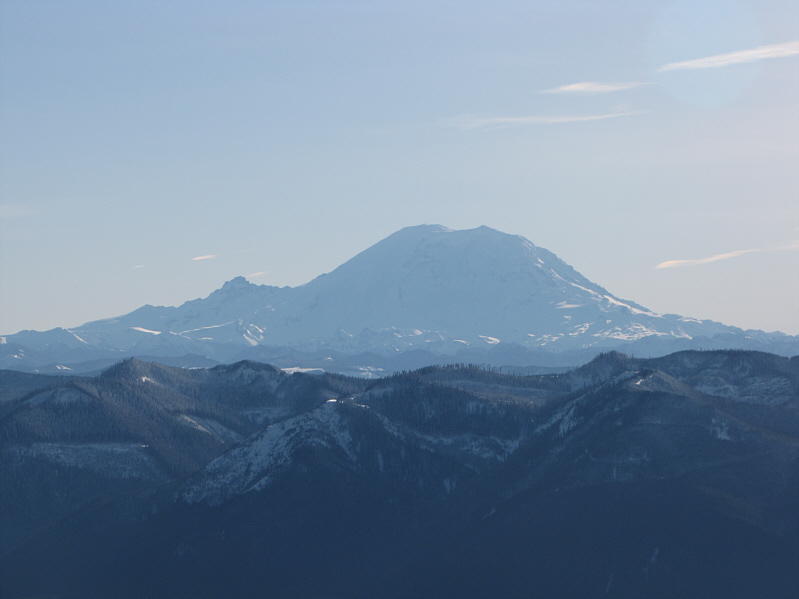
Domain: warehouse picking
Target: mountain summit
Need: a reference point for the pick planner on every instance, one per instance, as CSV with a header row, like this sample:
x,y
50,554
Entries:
x,y
474,287
423,288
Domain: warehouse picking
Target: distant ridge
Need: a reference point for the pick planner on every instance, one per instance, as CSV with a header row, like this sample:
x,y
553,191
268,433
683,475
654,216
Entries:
x,y
477,293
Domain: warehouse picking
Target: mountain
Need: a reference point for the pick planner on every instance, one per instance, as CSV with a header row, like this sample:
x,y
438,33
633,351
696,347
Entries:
x,y
474,295
673,476
64,440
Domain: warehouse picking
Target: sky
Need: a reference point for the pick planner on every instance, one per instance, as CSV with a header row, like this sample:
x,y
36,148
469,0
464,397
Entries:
x,y
151,151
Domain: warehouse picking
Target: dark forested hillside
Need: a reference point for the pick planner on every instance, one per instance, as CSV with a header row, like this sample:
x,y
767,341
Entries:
x,y
134,425
676,476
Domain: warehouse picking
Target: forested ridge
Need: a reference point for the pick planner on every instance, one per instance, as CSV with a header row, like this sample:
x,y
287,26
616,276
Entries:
x,y
432,482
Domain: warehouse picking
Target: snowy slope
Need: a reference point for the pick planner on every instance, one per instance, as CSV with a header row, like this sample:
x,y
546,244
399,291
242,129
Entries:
x,y
425,287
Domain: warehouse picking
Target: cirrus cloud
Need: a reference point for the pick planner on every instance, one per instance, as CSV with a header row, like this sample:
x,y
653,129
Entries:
x,y
591,87
740,57
697,261
472,122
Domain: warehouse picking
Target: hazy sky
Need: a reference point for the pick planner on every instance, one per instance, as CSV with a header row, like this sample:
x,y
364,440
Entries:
x,y
654,146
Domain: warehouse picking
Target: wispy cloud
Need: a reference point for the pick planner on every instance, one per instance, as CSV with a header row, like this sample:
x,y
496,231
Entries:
x,y
260,273
742,56
695,262
207,257
140,266
698,261
471,122
591,87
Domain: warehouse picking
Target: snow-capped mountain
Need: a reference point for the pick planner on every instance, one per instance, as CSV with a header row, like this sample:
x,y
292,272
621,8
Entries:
x,y
423,288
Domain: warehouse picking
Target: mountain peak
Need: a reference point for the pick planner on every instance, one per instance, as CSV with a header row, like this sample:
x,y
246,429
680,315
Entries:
x,y
237,283
425,287
424,228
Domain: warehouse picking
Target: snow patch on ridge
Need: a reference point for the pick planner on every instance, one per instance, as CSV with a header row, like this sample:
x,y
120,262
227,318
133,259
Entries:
x,y
720,430
75,336
565,417
213,326
143,330
293,369
630,332
616,302
252,466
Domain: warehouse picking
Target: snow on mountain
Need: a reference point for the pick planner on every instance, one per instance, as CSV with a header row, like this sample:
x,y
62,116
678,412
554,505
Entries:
x,y
425,287
366,430
249,466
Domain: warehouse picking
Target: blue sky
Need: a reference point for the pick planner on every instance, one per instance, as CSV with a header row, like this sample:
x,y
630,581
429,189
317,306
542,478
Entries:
x,y
654,146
